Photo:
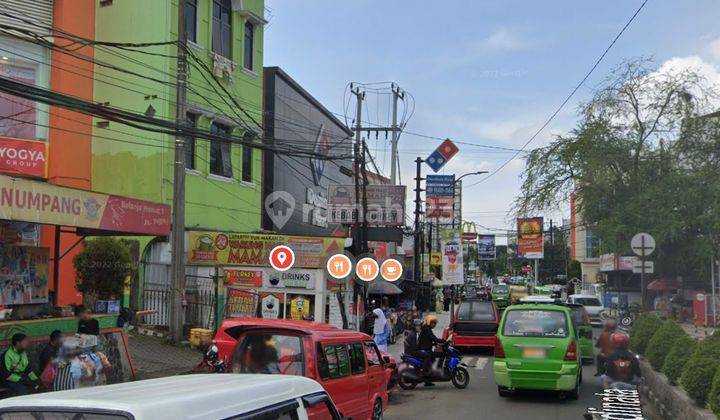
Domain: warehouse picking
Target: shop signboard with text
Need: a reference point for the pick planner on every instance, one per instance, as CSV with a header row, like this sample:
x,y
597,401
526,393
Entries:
x,y
23,157
252,249
240,277
240,303
39,202
385,204
295,278
530,237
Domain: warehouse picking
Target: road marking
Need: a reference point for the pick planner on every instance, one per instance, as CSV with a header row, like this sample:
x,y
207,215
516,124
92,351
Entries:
x,y
472,362
480,365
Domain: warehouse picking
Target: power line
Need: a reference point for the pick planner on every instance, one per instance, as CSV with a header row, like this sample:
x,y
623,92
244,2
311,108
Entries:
x,y
567,99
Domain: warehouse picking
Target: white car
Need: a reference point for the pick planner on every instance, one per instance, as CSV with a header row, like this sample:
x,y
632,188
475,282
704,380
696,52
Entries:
x,y
208,396
592,305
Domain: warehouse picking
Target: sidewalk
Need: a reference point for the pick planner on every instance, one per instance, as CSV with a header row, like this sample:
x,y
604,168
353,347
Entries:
x,y
154,358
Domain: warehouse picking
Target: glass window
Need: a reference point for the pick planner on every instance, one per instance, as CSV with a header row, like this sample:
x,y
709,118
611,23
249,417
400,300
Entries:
x,y
535,323
191,16
248,46
220,157
269,353
592,244
18,116
58,415
588,301
501,288
334,361
190,141
357,358
222,28
372,354
247,163
476,311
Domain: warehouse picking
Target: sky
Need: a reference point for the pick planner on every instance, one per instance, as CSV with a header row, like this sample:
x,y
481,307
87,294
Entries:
x,y
481,72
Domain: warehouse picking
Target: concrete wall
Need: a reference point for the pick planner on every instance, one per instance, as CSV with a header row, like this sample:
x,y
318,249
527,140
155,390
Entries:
x,y
669,402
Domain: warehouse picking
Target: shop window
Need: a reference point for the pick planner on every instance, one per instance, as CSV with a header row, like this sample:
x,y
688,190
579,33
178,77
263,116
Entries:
x,y
222,28
249,45
335,362
247,163
357,358
372,354
220,151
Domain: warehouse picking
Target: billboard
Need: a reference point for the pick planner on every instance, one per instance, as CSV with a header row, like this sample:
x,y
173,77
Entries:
x,y
385,204
437,207
486,247
439,185
530,237
23,157
452,257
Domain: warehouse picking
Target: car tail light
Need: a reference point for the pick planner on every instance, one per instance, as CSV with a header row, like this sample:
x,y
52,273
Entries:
x,y
571,353
309,359
499,350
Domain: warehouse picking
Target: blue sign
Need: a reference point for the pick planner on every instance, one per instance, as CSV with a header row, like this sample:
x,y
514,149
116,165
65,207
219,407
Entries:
x,y
439,185
435,161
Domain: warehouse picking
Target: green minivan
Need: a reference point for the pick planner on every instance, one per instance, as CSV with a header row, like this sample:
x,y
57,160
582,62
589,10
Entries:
x,y
500,294
537,349
584,330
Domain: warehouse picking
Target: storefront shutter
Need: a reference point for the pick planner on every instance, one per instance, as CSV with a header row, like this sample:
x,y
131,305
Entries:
x,y
37,13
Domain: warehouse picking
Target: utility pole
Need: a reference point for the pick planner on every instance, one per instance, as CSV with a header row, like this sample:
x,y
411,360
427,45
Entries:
x,y
363,170
358,240
394,160
177,313
416,230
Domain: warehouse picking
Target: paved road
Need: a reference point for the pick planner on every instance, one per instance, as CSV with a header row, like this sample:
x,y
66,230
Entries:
x,y
481,400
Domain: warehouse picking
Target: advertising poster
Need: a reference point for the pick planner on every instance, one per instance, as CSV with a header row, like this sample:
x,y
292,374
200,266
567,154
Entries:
x,y
23,157
300,308
386,204
437,207
435,259
294,278
270,307
240,303
486,247
250,249
530,237
439,185
239,277
24,275
452,258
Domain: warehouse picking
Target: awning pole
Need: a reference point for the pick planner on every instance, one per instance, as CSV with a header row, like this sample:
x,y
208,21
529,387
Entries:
x,y
56,265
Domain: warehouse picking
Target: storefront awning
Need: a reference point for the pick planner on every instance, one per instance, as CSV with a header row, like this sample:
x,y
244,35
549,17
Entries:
x,y
92,213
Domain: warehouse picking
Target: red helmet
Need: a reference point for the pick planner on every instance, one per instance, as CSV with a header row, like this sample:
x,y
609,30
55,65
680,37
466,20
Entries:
x,y
620,340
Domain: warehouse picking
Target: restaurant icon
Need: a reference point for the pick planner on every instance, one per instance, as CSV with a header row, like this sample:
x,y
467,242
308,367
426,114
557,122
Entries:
x,y
280,206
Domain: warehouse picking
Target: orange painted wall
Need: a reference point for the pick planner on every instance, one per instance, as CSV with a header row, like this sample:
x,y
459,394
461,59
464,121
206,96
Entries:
x,y
70,133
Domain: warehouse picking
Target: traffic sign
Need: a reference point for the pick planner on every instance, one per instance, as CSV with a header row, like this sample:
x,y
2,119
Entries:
x,y
282,258
643,267
391,270
642,244
441,155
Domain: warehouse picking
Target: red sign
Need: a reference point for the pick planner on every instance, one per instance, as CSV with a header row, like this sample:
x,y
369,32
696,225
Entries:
x,y
244,278
282,258
526,269
447,149
469,236
439,206
530,237
125,214
23,157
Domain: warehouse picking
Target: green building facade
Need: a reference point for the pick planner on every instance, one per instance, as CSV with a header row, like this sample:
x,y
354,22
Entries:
x,y
224,96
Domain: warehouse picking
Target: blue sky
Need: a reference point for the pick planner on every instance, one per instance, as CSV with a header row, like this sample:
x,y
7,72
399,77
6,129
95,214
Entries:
x,y
486,72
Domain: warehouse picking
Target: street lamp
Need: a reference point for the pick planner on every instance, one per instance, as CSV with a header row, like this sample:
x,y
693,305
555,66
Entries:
x,y
453,186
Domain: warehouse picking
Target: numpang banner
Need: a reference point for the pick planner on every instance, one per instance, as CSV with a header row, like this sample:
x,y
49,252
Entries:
x,y
252,249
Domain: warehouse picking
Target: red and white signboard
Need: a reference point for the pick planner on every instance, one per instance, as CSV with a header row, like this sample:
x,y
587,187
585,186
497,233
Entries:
x,y
23,157
282,258
439,207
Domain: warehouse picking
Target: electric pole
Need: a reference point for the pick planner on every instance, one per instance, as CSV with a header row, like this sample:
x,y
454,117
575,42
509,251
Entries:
x,y
358,239
416,230
177,314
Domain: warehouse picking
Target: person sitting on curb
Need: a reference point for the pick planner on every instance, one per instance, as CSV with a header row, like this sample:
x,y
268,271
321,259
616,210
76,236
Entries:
x,y
15,367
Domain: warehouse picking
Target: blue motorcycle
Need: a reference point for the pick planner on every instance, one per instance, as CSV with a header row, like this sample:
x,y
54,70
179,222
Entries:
x,y
448,367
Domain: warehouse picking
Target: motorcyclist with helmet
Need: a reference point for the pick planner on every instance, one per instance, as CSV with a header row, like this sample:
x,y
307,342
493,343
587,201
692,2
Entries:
x,y
605,345
426,341
621,365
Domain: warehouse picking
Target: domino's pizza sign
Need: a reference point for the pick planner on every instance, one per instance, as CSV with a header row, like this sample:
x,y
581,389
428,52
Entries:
x,y
441,155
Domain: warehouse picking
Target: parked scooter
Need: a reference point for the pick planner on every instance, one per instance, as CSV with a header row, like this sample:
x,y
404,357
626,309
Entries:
x,y
446,368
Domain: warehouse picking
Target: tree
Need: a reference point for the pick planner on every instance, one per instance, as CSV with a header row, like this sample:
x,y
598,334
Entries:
x,y
574,270
102,267
635,163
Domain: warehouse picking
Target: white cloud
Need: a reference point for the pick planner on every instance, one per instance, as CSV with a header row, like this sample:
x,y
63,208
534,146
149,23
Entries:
x,y
502,40
677,64
713,48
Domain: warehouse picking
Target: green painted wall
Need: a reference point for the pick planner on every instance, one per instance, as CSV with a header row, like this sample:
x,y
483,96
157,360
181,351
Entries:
x,y
138,163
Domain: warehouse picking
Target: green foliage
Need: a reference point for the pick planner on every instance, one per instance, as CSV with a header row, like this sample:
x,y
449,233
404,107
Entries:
x,y
714,395
574,270
699,372
661,342
678,356
642,331
102,267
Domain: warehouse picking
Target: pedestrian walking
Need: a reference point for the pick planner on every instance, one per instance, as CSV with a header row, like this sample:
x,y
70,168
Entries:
x,y
380,329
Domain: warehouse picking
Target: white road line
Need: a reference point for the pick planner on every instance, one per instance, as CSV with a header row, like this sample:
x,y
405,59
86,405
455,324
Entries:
x,y
480,365
472,362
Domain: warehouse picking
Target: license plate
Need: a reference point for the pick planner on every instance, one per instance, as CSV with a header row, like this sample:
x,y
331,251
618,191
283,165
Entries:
x,y
533,353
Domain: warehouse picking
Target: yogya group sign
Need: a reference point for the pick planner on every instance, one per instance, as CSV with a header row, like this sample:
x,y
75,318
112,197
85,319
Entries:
x,y
39,202
250,249
23,157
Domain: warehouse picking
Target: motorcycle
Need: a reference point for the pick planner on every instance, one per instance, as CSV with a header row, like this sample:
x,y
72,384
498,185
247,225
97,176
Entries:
x,y
212,361
448,367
